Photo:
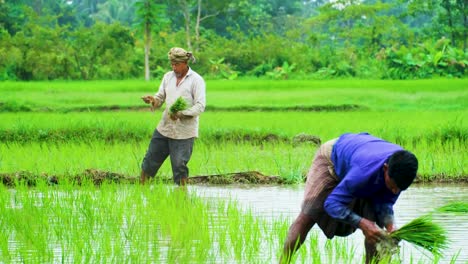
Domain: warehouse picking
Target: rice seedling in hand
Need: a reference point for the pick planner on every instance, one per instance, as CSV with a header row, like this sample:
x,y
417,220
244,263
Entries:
x,y
424,233
454,207
179,105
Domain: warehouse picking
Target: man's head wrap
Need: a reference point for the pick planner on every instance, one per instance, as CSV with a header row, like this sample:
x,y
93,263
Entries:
x,y
180,55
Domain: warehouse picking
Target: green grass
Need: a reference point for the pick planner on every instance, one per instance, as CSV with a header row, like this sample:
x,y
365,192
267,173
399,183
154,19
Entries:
x,y
147,224
400,127
142,224
279,159
427,117
74,158
229,142
436,94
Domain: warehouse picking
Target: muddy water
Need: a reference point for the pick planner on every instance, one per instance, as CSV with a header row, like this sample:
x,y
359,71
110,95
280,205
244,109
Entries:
x,y
276,201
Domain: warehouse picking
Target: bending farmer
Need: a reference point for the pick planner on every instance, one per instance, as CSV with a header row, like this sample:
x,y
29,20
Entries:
x,y
354,182
175,133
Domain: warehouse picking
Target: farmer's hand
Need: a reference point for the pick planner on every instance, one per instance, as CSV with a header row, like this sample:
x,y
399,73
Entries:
x,y
390,228
155,103
394,239
147,99
371,231
177,115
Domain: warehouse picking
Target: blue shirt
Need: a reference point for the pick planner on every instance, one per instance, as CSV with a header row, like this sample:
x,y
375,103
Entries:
x,y
358,160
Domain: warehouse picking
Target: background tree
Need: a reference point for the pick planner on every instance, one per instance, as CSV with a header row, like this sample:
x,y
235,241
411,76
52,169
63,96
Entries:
x,y
95,39
151,17
12,16
85,9
112,11
451,18
456,20
201,15
185,7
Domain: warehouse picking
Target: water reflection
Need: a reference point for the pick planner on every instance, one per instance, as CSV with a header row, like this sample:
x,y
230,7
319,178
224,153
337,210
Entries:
x,y
284,201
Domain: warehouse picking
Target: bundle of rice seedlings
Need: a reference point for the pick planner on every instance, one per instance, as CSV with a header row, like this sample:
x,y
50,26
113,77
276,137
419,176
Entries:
x,y
179,105
388,247
455,207
424,233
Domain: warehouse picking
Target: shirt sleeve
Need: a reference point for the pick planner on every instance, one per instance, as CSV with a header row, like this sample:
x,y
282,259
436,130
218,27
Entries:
x,y
336,205
199,99
384,209
384,213
161,94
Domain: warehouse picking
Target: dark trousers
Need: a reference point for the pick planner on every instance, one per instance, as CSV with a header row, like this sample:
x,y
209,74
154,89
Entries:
x,y
160,147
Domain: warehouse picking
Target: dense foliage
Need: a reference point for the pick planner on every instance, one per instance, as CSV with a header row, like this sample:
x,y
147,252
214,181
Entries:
x,y
110,39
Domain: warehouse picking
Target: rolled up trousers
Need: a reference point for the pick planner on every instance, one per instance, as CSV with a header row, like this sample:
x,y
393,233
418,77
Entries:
x,y
160,147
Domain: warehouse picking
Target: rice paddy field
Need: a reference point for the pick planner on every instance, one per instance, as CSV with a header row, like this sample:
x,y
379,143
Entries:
x,y
63,129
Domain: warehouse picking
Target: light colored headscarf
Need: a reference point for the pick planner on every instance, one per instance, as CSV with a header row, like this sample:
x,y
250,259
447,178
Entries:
x,y
180,55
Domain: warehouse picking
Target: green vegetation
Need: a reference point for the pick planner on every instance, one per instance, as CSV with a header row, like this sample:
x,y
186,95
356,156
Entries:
x,y
229,142
378,95
294,68
143,224
427,117
49,134
128,223
424,233
123,39
454,207
179,105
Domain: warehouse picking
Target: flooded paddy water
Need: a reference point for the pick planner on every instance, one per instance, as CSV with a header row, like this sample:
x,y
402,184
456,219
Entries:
x,y
284,201
158,224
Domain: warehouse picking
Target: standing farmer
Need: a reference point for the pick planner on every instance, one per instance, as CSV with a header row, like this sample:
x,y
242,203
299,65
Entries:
x,y
353,183
175,133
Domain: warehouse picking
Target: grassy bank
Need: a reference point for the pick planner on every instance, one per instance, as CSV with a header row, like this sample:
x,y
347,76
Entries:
x,y
438,162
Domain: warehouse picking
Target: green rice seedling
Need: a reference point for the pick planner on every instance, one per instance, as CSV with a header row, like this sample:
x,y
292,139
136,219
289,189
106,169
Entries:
x,y
454,258
144,224
69,159
270,158
454,207
179,105
424,233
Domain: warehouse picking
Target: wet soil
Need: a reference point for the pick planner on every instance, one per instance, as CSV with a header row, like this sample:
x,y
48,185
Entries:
x,y
9,107
97,177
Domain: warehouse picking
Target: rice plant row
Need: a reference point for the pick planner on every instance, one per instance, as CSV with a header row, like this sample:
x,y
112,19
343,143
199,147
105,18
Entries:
x,y
288,161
